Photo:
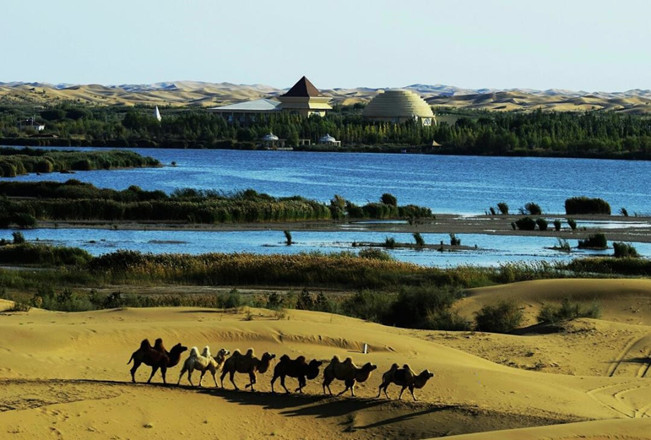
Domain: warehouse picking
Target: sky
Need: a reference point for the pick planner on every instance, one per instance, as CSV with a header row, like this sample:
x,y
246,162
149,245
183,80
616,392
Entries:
x,y
590,45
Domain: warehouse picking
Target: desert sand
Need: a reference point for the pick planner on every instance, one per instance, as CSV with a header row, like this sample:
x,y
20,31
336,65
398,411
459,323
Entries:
x,y
65,375
204,94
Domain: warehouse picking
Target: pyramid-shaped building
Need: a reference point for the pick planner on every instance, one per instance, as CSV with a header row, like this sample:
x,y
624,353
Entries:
x,y
304,99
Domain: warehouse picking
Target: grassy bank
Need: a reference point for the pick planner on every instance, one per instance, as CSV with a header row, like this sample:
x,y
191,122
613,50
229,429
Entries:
x,y
74,200
15,161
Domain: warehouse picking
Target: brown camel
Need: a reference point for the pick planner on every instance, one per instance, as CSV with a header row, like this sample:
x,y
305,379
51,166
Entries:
x,y
247,363
156,357
346,371
405,378
297,368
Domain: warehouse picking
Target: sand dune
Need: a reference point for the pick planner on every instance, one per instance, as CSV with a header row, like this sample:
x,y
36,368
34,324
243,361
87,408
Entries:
x,y
65,374
203,94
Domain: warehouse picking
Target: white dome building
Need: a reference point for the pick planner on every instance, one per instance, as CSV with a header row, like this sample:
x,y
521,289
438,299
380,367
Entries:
x,y
398,106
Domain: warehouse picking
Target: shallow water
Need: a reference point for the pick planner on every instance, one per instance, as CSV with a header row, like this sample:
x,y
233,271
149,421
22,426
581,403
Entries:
x,y
491,250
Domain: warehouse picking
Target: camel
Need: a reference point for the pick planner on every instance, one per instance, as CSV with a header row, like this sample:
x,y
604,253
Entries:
x,y
203,362
247,363
405,378
297,368
346,371
156,357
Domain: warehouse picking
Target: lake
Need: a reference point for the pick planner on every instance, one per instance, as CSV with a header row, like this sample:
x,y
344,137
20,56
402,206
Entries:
x,y
447,184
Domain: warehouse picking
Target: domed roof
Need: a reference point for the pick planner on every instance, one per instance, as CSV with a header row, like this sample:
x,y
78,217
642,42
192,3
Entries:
x,y
397,104
327,138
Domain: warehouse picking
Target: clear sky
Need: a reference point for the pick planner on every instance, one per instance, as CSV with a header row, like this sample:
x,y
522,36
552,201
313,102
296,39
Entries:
x,y
591,45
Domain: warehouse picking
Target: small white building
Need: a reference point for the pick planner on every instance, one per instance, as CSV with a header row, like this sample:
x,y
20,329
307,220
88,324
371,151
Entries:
x,y
329,140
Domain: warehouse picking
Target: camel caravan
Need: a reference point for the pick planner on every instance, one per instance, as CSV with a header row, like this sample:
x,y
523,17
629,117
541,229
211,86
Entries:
x,y
158,358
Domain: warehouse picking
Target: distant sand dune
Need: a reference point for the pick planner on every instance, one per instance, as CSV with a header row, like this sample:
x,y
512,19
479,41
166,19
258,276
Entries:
x,y
203,94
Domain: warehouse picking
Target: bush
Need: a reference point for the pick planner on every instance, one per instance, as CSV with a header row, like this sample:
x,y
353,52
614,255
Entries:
x,y
624,250
595,241
19,238
420,241
375,254
566,312
454,240
367,305
571,223
420,307
557,225
389,242
288,238
585,205
389,199
502,318
503,207
526,224
542,224
532,209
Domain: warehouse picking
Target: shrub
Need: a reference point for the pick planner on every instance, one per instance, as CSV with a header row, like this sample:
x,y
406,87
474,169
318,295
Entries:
x,y
18,237
557,224
389,199
526,224
624,250
571,223
567,311
419,306
288,237
503,207
375,254
501,318
454,240
367,305
563,245
585,205
595,241
24,220
623,212
420,241
389,242
542,224
532,209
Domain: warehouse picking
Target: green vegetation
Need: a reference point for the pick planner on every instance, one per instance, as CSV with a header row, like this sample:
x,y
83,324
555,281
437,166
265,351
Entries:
x,y
531,208
542,224
537,133
567,311
571,223
525,224
557,224
503,207
420,241
386,291
623,250
74,200
501,318
585,205
594,241
15,161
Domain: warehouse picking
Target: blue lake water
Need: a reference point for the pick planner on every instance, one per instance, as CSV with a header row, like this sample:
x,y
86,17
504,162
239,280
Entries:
x,y
446,184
